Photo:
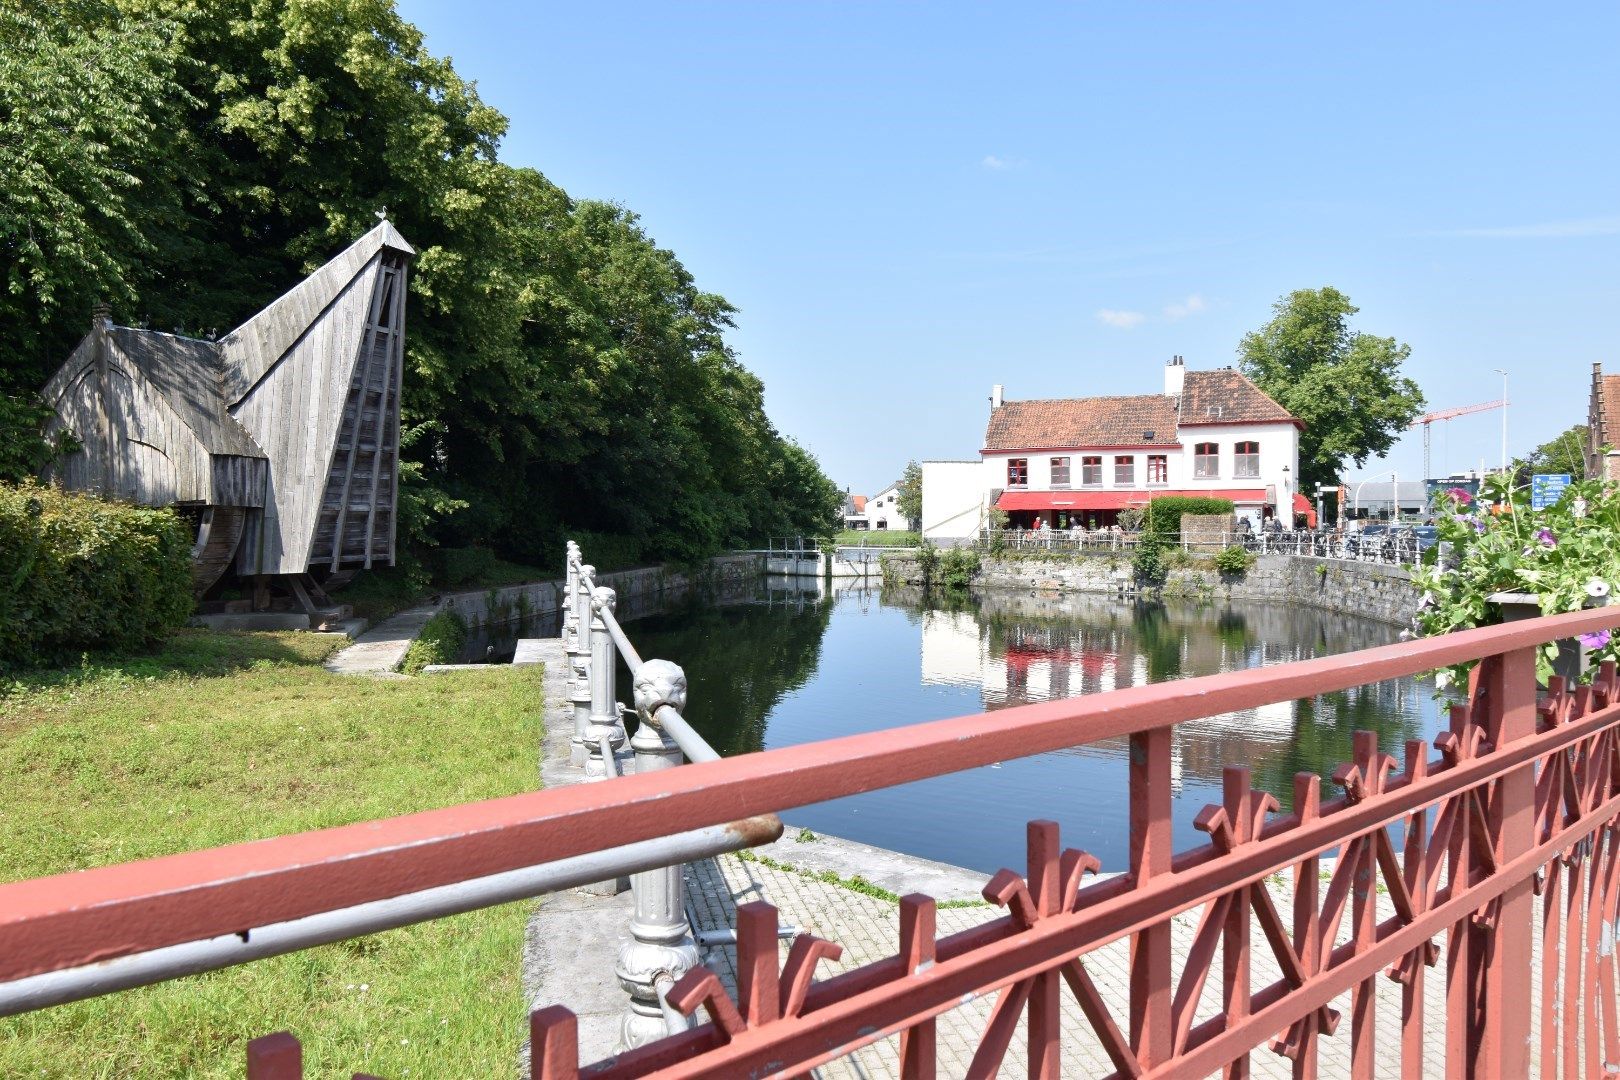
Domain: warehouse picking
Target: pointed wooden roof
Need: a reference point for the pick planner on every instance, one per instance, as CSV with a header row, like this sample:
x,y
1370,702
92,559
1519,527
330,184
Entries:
x,y
253,348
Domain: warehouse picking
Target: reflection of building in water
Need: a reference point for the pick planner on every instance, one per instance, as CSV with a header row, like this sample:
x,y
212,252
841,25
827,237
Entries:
x,y
952,649
1022,649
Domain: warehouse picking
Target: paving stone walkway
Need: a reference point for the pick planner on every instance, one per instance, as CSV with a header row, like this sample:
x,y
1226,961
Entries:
x,y
379,651
868,928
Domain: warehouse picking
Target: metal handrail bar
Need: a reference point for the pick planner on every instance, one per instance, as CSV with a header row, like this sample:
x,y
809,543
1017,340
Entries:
x,y
226,950
72,919
693,745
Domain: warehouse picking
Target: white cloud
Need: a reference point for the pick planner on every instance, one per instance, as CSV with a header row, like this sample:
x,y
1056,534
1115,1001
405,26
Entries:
x,y
1193,305
1546,230
1000,164
1121,320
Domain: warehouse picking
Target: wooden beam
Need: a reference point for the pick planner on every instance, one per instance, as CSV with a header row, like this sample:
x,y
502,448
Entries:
x,y
395,318
368,339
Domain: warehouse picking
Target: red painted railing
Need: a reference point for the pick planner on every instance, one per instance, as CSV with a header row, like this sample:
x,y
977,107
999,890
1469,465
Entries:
x,y
1520,800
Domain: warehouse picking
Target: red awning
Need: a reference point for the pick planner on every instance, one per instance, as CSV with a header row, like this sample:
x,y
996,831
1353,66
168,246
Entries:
x,y
1065,500
1302,505
1115,500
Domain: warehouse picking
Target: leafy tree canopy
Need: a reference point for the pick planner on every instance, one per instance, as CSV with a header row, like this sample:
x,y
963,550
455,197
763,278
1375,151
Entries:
x,y
1346,386
1564,453
909,499
187,161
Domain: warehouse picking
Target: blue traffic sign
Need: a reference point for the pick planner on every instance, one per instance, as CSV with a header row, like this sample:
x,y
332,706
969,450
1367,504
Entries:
x,y
1546,489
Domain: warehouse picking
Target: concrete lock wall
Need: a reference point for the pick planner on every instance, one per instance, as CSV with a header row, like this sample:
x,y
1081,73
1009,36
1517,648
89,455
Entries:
x,y
1369,590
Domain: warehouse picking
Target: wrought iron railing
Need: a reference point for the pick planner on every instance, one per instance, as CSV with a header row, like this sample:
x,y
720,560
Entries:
x,y
1505,832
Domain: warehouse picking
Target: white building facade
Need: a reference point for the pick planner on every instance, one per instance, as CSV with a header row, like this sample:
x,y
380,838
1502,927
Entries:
x,y
1077,462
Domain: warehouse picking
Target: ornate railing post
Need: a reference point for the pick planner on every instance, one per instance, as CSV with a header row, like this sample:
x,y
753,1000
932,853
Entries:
x,y
579,661
604,732
661,949
1502,940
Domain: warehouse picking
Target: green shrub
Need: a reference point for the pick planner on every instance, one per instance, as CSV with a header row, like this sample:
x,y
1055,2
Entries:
x,y
607,552
928,563
1163,516
1147,563
78,572
1233,560
458,566
958,567
439,642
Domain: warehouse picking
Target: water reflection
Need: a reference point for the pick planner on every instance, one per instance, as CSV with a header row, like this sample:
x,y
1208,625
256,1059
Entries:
x,y
797,662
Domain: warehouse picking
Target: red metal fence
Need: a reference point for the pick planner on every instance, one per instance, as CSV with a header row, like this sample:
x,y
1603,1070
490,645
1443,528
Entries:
x,y
1508,835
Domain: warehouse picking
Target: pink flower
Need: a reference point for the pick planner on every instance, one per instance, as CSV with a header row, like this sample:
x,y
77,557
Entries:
x,y
1546,538
1460,494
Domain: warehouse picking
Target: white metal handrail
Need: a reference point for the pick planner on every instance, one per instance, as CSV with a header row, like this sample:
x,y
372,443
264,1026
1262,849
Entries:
x,y
660,947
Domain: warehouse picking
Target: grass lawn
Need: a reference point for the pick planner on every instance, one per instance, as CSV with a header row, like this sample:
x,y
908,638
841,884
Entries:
x,y
878,538
224,737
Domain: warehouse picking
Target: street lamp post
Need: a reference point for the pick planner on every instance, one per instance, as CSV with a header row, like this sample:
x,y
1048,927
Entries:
x,y
1503,372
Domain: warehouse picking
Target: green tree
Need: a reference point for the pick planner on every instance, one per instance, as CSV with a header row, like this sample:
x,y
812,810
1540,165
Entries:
x,y
87,103
1344,385
1564,453
909,498
192,159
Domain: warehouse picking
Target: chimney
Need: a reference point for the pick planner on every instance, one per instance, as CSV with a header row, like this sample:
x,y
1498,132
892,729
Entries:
x,y
995,396
1175,377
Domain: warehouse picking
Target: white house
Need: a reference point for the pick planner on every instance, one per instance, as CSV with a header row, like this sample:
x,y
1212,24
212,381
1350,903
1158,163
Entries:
x,y
883,510
1080,461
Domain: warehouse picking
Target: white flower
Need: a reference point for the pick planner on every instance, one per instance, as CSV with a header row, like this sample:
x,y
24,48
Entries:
x,y
1442,679
1597,588
1578,508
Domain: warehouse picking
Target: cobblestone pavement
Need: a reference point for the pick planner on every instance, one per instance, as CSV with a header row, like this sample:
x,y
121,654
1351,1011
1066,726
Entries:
x,y
868,929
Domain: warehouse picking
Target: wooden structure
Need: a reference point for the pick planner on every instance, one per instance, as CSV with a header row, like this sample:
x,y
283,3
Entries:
x,y
282,438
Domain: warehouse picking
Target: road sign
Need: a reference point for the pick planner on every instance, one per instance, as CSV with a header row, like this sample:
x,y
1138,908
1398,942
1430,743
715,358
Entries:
x,y
1546,489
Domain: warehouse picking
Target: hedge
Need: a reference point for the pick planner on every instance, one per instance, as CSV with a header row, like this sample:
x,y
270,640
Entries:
x,y
439,642
78,573
1164,515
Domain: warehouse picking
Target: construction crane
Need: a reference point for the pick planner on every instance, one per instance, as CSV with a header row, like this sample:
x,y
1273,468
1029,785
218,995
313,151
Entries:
x,y
1448,414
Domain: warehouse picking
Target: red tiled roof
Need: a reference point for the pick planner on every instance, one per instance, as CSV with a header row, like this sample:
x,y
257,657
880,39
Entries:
x,y
1208,397
1226,396
1141,420
860,503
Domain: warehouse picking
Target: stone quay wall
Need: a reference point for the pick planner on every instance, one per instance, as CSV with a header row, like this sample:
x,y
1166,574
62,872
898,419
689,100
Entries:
x,y
1369,590
635,588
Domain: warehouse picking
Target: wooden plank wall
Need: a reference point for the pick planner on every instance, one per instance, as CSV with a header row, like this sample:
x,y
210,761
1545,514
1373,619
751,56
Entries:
x,y
134,446
294,411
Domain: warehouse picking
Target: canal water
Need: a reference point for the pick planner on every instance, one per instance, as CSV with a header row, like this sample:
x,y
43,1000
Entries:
x,y
784,665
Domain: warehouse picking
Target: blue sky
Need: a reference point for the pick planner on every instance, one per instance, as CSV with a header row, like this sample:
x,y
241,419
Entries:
x,y
910,202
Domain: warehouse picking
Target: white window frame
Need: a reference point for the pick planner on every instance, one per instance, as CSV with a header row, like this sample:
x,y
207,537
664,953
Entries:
x,y
1214,461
